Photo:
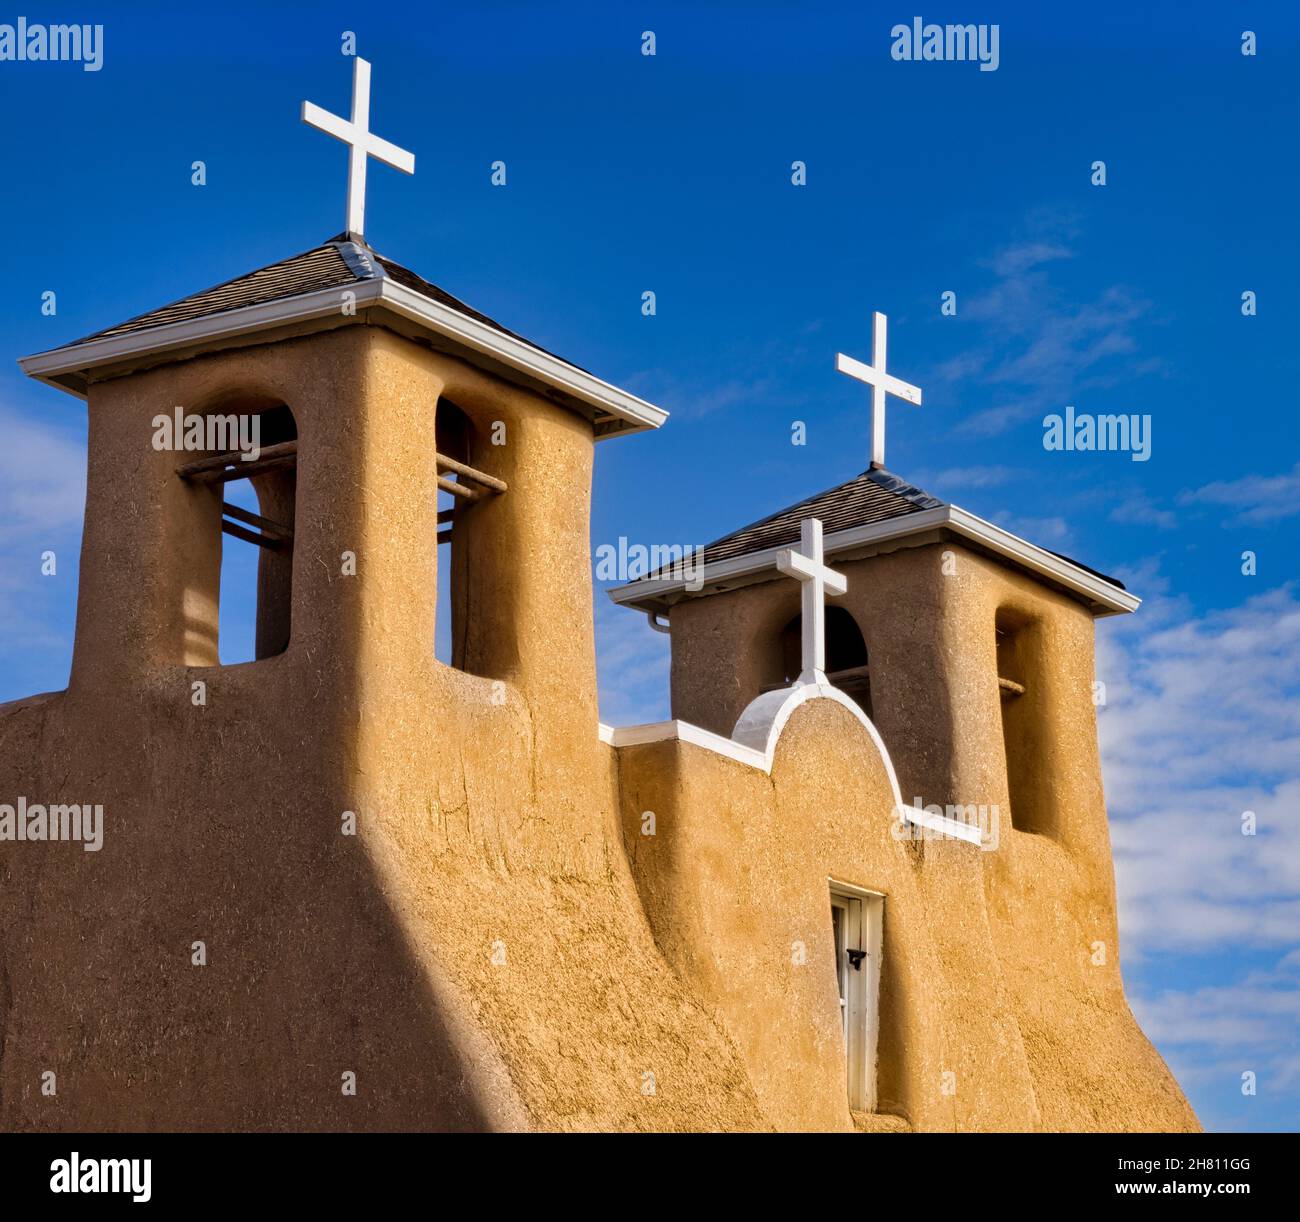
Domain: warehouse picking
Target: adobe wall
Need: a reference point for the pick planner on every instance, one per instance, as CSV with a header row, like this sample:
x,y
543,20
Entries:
x,y
1038,914
479,954
1051,893
735,881
486,811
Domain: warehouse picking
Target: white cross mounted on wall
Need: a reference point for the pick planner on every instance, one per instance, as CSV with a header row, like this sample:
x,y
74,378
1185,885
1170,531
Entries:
x,y
808,566
362,143
881,384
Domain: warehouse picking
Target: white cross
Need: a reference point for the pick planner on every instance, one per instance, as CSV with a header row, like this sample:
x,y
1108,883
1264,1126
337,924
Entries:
x,y
881,384
357,134
818,580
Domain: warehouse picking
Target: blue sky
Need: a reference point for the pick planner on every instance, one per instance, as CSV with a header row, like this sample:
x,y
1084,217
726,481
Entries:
x,y
628,173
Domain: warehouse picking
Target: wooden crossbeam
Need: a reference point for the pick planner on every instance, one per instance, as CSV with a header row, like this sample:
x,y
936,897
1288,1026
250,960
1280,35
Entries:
x,y
272,529
251,536
467,472
215,469
836,678
1010,685
463,491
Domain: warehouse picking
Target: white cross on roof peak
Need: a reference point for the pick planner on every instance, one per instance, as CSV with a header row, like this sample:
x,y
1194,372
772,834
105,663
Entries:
x,y
362,143
881,384
808,566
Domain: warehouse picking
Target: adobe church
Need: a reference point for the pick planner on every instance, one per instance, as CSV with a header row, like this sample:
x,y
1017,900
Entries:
x,y
861,881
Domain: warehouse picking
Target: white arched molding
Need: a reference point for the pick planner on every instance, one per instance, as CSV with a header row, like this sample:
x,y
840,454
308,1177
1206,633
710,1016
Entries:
x,y
754,740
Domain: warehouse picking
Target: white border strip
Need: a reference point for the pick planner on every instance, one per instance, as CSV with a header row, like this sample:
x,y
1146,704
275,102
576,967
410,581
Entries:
x,y
647,595
440,319
683,731
522,356
763,722
77,358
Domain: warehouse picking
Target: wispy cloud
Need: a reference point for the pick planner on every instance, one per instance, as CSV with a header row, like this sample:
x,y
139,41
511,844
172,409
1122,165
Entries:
x,y
1019,258
692,396
965,477
42,479
1044,531
1247,1015
1215,1034
1252,499
1141,510
42,497
1201,725
632,662
1041,349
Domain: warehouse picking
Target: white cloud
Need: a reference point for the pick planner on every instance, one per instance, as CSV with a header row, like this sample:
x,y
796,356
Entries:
x,y
1253,499
632,662
42,498
1141,510
42,479
1202,724
973,476
1213,1035
1049,350
1046,532
1241,1016
1021,257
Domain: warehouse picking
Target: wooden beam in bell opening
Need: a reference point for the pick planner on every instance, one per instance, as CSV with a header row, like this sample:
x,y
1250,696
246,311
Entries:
x,y
250,536
222,468
272,530
465,471
464,491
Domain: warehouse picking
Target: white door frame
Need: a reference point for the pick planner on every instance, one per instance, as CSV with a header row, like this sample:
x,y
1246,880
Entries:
x,y
859,928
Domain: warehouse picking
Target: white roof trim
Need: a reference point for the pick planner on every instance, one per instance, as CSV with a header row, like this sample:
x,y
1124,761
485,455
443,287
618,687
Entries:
x,y
683,731
522,356
1105,598
762,723
1045,563
381,291
76,358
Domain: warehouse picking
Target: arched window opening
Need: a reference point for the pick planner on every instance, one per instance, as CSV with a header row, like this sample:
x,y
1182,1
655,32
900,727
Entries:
x,y
846,655
1020,691
256,488
462,488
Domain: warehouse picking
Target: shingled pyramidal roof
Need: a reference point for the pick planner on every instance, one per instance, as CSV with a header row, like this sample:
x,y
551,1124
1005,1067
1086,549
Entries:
x,y
336,264
872,510
873,496
304,291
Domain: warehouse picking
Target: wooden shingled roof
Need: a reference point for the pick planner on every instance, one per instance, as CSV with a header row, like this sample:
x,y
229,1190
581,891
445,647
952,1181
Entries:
x,y
873,496
338,263
320,268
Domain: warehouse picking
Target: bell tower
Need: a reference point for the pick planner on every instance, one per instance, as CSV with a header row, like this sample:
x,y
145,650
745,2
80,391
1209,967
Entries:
x,y
971,653
272,918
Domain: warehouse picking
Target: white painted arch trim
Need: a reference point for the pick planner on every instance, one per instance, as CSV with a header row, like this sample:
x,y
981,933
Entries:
x,y
442,320
758,732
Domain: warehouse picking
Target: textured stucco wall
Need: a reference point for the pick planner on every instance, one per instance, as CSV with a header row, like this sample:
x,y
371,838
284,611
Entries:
x,y
1026,934
496,947
736,882
487,819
